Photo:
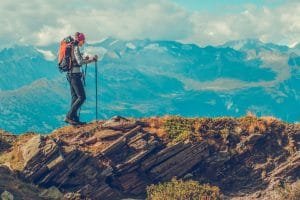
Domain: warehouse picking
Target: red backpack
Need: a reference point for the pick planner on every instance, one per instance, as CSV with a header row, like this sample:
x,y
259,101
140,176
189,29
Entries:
x,y
65,54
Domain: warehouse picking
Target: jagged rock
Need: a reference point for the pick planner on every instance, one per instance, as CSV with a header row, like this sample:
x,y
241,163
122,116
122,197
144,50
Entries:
x,y
31,148
132,183
181,163
218,158
73,196
108,171
138,142
15,186
103,191
120,157
91,140
108,134
38,154
232,140
119,123
118,150
188,176
48,165
6,140
52,193
289,168
252,139
163,155
131,199
134,162
114,146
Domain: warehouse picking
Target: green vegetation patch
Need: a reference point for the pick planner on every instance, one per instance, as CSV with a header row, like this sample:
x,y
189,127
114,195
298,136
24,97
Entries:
x,y
179,190
179,128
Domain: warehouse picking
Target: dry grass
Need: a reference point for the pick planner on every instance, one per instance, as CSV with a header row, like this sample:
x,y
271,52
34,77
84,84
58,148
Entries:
x,y
156,124
269,119
13,158
252,125
176,128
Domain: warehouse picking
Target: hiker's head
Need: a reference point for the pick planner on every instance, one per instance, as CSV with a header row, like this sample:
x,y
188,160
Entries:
x,y
80,38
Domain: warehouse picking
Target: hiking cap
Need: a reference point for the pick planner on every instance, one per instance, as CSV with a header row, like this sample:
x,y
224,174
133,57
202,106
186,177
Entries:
x,y
79,36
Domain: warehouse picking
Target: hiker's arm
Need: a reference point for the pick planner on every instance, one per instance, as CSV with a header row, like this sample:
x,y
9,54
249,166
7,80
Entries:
x,y
79,58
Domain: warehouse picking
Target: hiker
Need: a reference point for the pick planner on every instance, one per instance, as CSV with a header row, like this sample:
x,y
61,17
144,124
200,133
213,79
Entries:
x,y
74,76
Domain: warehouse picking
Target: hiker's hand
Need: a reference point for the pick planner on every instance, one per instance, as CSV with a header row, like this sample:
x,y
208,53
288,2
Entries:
x,y
95,58
91,60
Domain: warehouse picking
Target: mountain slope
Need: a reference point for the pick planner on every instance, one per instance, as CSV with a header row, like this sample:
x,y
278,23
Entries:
x,y
22,65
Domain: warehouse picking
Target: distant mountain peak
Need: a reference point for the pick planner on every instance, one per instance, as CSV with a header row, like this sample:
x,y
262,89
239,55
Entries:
x,y
254,44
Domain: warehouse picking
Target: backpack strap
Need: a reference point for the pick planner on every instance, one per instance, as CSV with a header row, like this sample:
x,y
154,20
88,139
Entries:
x,y
72,57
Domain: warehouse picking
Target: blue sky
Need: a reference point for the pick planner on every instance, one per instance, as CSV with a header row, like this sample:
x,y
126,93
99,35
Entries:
x,y
203,22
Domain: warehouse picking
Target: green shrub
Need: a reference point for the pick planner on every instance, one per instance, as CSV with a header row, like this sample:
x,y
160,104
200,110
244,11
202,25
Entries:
x,y
179,128
182,190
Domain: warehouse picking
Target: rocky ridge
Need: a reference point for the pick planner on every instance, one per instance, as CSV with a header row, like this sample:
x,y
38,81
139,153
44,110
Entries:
x,y
118,158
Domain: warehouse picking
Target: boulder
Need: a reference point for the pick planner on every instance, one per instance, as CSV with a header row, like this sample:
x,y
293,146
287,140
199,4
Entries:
x,y
7,196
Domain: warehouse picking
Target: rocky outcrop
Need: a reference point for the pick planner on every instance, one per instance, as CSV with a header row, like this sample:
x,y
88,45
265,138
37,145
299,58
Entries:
x,y
12,187
118,158
6,140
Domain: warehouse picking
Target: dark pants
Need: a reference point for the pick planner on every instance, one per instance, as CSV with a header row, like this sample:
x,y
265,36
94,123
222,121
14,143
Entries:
x,y
77,93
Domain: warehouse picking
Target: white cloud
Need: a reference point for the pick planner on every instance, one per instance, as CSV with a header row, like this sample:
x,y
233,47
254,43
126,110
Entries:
x,y
41,22
278,25
48,55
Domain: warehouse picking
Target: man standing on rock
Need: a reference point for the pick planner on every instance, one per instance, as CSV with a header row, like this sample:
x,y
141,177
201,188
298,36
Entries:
x,y
74,76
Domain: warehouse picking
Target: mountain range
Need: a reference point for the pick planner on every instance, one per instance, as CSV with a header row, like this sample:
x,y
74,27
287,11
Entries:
x,y
141,78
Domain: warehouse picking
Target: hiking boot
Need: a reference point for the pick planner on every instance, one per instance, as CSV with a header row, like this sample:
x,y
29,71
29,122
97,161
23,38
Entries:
x,y
80,123
76,119
71,121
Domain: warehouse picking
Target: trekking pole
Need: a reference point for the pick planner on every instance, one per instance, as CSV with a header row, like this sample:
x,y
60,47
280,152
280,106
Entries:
x,y
96,83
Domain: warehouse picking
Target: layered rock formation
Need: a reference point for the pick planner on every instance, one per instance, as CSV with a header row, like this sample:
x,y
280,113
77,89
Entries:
x,y
118,158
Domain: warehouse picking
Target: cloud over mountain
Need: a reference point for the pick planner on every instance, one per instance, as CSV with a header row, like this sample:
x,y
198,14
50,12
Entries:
x,y
43,22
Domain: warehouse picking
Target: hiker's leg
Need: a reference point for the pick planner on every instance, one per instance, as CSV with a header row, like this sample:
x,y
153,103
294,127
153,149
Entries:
x,y
73,93
73,99
73,96
80,93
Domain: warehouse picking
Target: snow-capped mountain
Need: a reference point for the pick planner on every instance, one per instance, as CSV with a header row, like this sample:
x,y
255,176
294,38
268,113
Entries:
x,y
145,78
